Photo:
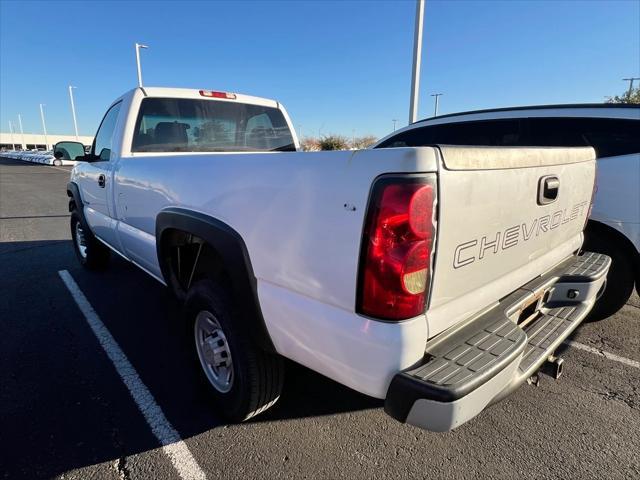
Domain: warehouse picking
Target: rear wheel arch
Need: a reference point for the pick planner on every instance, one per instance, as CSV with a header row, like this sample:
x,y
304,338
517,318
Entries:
x,y
221,254
604,230
624,272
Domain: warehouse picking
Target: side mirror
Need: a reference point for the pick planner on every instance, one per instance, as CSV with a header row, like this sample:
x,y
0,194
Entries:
x,y
69,151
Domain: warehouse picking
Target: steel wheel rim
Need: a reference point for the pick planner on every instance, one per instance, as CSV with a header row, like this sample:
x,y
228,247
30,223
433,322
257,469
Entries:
x,y
81,242
213,351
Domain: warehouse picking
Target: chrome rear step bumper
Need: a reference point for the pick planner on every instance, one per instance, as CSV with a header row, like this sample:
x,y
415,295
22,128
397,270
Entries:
x,y
482,361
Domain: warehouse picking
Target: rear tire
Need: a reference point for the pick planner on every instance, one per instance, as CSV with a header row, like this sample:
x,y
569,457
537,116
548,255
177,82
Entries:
x,y
241,378
621,276
91,254
57,163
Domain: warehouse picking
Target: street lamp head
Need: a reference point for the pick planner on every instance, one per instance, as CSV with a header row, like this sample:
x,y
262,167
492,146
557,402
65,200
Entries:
x,y
139,45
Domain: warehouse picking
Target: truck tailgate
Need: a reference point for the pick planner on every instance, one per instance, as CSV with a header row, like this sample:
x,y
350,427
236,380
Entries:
x,y
506,216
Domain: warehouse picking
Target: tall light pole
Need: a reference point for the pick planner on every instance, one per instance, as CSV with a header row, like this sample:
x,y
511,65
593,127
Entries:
x,y
44,127
435,110
138,47
24,147
630,80
417,56
73,110
394,124
13,145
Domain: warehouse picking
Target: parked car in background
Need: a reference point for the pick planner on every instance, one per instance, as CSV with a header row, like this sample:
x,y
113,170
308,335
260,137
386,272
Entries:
x,y
45,158
612,130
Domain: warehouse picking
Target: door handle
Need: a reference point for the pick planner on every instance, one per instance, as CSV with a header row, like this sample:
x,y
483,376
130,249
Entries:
x,y
101,180
548,189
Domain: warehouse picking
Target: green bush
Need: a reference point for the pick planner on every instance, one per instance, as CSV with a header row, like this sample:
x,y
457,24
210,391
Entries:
x,y
333,142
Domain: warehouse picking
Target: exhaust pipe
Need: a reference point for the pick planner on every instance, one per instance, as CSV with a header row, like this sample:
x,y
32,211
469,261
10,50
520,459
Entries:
x,y
553,366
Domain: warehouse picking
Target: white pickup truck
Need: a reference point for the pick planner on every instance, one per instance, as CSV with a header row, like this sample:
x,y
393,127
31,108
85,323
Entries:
x,y
437,278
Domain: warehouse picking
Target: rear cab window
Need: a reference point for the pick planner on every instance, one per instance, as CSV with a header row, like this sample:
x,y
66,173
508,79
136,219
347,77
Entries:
x,y
194,125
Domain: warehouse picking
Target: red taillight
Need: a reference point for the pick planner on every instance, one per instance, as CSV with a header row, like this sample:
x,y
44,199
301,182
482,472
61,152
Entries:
x,y
209,93
396,247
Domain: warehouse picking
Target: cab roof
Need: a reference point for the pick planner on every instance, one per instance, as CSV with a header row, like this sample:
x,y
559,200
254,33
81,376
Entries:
x,y
164,92
577,106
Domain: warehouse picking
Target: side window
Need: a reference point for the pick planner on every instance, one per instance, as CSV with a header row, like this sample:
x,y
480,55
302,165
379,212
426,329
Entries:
x,y
259,131
608,136
104,137
508,132
416,137
612,137
556,132
259,121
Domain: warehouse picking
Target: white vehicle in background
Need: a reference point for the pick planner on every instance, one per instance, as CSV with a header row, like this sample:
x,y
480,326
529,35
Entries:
x,y
430,277
45,158
612,130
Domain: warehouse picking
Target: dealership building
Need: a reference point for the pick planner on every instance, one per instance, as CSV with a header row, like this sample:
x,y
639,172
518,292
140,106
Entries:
x,y
30,141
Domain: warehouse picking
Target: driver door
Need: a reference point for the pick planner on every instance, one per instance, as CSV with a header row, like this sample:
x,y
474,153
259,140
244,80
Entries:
x,y
97,185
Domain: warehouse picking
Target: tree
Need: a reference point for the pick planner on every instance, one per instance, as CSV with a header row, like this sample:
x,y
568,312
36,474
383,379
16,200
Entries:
x,y
310,144
333,142
632,96
336,142
363,142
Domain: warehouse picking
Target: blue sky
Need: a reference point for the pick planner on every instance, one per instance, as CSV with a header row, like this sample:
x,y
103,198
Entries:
x,y
337,66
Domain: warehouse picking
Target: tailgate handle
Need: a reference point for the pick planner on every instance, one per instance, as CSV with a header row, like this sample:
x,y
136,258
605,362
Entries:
x,y
548,189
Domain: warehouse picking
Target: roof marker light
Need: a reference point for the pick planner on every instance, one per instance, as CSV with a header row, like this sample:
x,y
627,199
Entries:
x,y
212,94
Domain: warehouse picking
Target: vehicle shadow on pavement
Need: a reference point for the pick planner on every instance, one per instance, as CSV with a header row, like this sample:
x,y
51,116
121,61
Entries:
x,y
308,394
62,398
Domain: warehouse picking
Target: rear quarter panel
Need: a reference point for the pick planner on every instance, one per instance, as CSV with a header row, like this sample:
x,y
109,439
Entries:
x,y
617,201
299,213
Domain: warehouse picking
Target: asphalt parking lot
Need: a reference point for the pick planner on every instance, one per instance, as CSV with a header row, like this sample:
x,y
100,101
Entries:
x,y
66,413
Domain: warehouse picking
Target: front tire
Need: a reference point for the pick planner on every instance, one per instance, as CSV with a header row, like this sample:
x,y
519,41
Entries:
x,y
620,278
241,378
57,163
91,254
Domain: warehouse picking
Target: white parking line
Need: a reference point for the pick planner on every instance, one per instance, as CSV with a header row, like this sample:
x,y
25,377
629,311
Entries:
x,y
172,444
602,353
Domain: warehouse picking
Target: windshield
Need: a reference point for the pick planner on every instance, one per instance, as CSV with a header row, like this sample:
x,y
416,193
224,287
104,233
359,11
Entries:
x,y
192,125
